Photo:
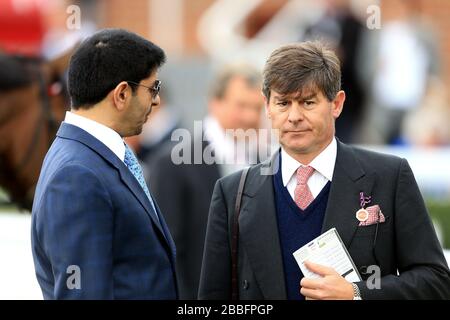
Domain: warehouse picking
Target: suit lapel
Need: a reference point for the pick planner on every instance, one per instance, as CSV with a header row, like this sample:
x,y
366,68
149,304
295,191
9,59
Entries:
x,y
349,179
258,231
134,186
69,131
166,233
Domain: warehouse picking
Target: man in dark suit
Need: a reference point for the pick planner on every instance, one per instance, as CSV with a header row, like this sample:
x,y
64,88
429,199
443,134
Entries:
x,y
235,101
97,233
315,183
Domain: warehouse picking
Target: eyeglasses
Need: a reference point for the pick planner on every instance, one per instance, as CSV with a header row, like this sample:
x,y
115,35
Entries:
x,y
154,91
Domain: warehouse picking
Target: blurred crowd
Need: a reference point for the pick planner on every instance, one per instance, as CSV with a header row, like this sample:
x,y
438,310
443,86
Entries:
x,y
392,74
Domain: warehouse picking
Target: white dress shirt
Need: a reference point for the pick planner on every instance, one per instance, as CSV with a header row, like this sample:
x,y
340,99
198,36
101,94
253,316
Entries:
x,y
231,155
323,165
107,136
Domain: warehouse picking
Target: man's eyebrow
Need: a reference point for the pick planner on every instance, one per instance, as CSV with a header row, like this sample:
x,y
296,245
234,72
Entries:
x,y
279,98
296,97
308,97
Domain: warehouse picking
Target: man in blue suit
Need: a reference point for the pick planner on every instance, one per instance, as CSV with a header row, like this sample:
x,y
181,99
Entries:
x,y
96,232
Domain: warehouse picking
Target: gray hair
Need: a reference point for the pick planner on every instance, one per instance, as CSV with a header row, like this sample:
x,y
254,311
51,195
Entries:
x,y
220,83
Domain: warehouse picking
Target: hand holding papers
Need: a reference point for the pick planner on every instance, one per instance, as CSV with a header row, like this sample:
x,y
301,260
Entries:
x,y
327,250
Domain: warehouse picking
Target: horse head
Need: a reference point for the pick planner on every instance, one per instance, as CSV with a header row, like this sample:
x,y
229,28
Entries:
x,y
33,102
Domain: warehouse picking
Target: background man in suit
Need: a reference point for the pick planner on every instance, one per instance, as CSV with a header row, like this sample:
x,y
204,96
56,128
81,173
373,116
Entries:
x,y
96,231
235,102
317,187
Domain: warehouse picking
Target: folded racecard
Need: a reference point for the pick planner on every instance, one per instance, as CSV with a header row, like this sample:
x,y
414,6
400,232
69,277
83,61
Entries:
x,y
327,250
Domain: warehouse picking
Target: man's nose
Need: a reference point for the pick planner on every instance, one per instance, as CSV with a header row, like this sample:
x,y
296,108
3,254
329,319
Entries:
x,y
156,101
295,113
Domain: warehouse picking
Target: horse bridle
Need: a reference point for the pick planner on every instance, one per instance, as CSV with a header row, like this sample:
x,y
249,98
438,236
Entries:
x,y
46,118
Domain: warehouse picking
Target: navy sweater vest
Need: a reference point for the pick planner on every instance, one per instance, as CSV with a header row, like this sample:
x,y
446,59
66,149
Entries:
x,y
296,228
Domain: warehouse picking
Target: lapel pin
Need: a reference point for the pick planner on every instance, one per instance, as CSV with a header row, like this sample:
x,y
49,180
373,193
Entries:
x,y
362,214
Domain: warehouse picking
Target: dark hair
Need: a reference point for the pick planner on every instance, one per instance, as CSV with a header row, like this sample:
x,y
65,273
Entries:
x,y
299,66
105,59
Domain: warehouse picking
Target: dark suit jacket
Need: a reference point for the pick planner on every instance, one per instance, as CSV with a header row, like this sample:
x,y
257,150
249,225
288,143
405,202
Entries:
x,y
406,242
89,211
184,194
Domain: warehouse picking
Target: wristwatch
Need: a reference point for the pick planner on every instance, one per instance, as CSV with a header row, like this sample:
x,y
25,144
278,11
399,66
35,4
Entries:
x,y
356,292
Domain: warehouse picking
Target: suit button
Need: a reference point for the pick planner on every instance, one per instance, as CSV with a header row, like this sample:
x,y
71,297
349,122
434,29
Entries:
x,y
245,285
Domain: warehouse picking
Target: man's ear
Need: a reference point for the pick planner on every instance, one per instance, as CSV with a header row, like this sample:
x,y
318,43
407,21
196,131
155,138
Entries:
x,y
338,104
121,94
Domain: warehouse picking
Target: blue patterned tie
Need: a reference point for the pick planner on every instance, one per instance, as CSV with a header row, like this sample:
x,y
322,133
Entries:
x,y
133,165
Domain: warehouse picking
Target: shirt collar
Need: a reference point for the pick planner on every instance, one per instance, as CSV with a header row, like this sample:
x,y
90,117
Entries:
x,y
104,134
222,145
324,163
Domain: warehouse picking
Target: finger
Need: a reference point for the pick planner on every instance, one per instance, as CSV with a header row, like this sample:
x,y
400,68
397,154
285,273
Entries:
x,y
311,283
319,269
310,294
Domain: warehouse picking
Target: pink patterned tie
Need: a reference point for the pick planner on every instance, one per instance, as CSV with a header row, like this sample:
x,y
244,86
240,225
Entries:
x,y
303,195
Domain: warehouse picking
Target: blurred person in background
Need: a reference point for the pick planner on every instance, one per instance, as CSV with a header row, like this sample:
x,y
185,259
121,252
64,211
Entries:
x,y
22,27
344,32
428,125
63,29
401,58
44,28
184,191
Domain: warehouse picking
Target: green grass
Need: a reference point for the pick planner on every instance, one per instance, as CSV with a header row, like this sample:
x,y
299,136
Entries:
x,y
440,213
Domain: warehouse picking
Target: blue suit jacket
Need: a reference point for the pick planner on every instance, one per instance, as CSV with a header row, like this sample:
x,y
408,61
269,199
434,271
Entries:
x,y
89,212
